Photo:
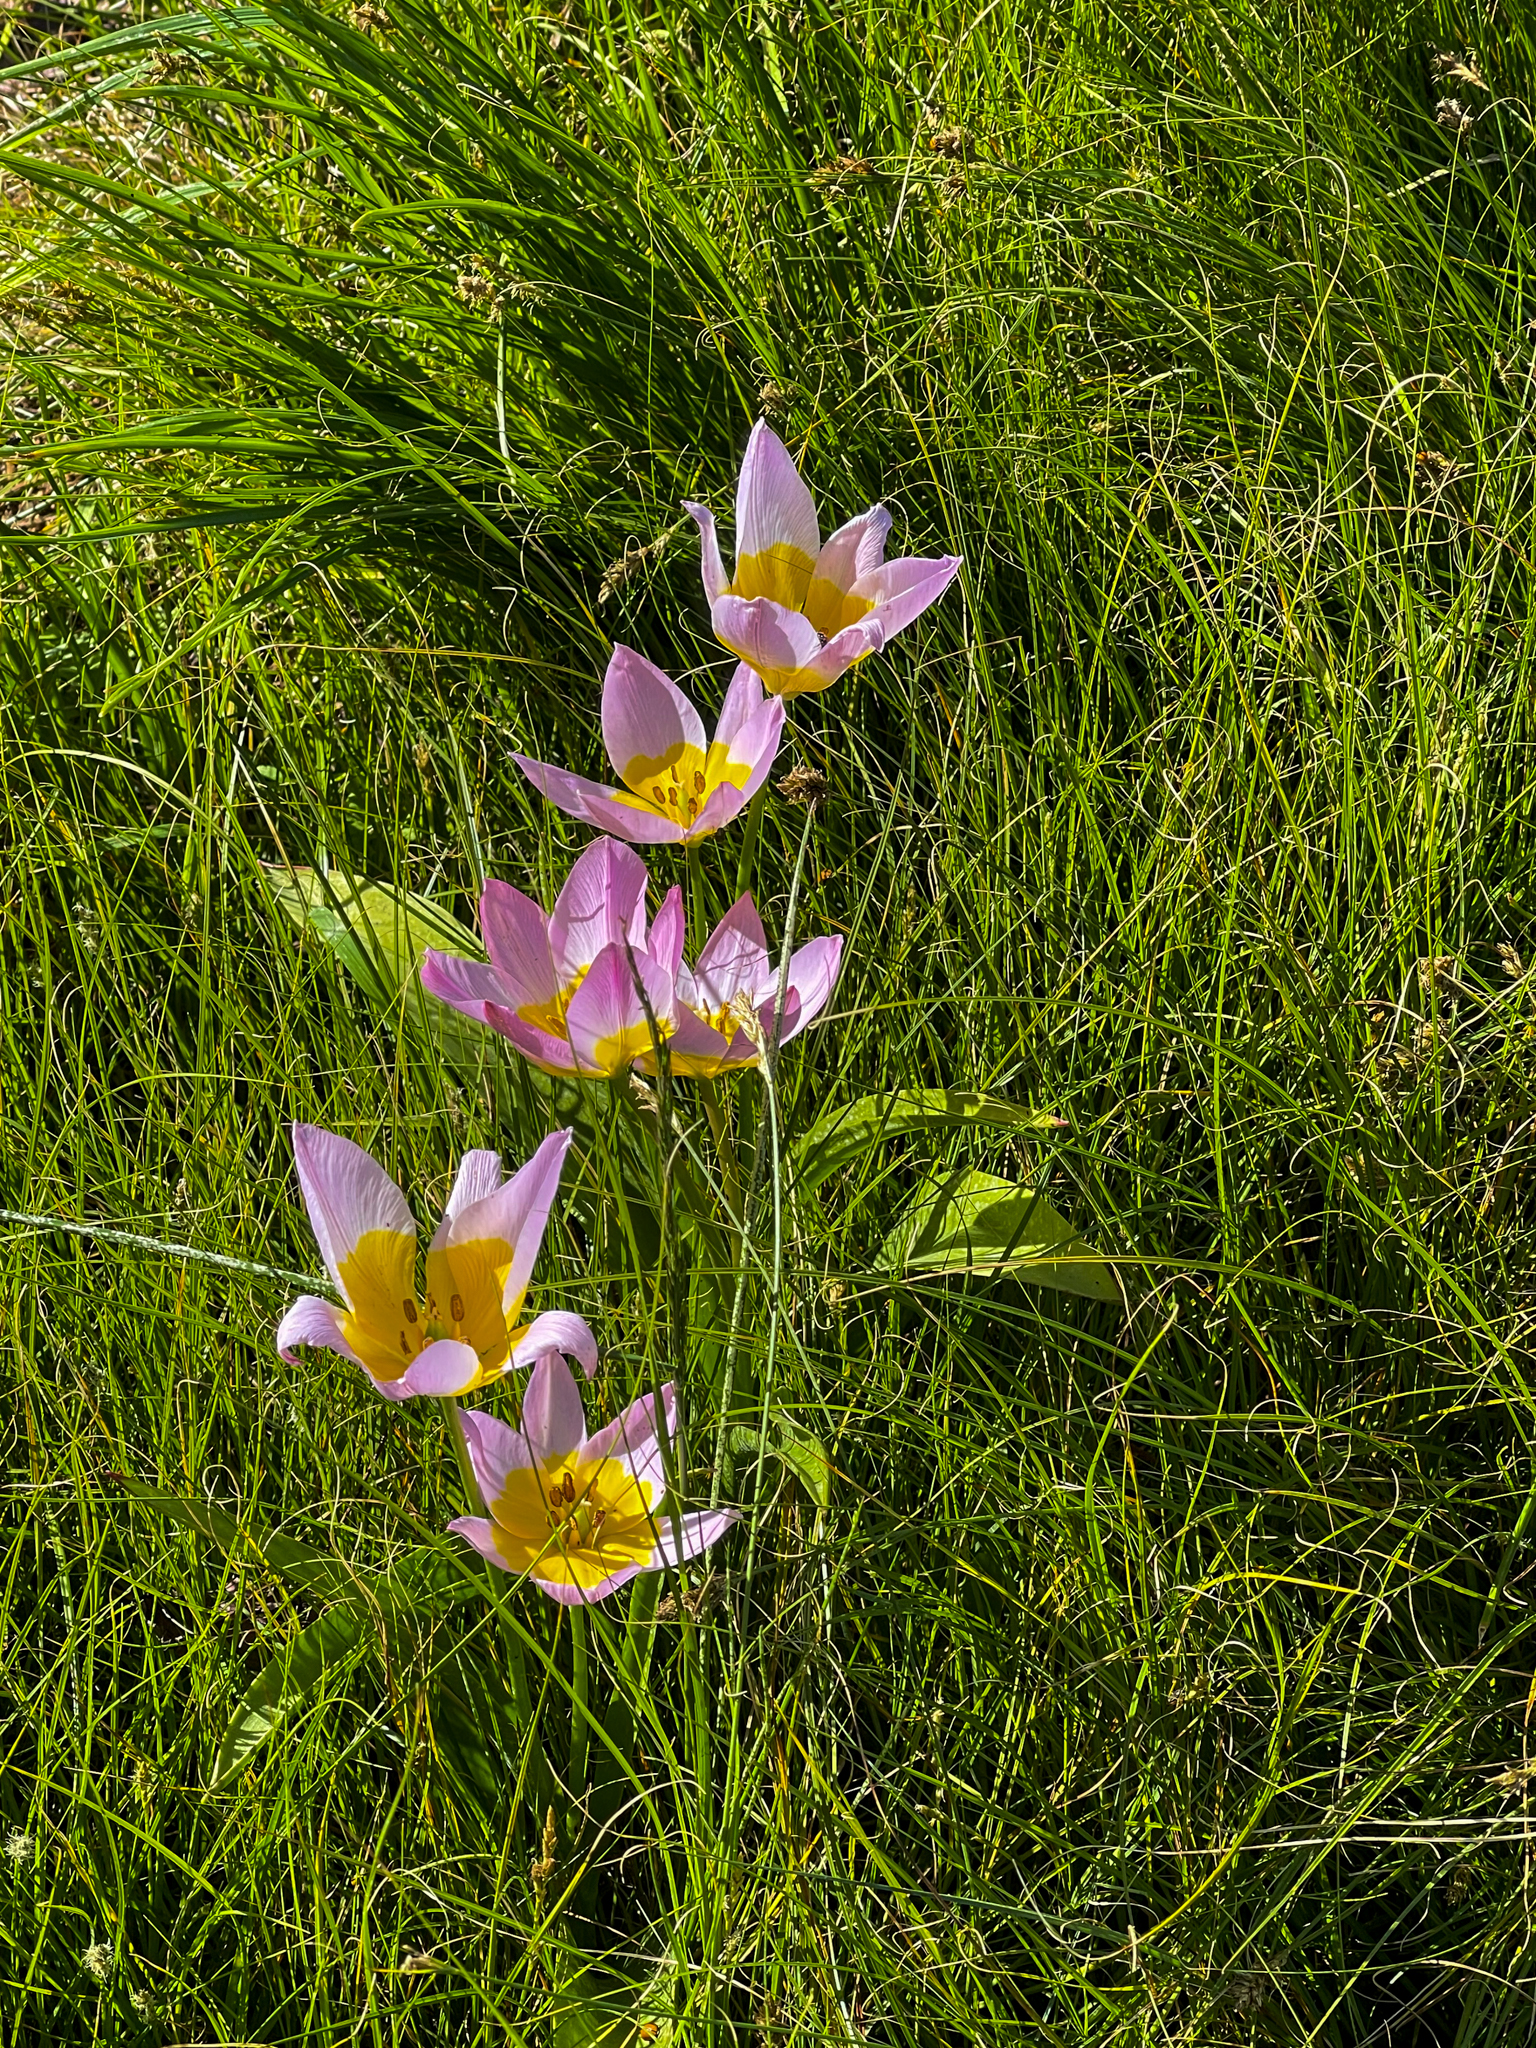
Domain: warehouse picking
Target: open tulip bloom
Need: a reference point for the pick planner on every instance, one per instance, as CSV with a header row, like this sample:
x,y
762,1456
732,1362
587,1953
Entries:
x,y
732,972
561,985
463,1331
579,1515
797,611
676,788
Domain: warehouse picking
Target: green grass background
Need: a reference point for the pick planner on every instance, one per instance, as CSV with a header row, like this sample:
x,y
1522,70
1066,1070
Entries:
x,y
1159,1673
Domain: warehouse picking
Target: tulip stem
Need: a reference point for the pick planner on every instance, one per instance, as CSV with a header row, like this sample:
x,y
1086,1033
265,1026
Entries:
x,y
746,865
725,1148
767,1128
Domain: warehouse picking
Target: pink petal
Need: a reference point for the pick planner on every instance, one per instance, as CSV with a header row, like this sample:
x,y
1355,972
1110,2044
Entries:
x,y
516,1214
603,899
610,810
733,959
743,699
466,985
773,507
665,942
756,743
840,653
557,1330
553,1421
310,1320
516,935
482,1534
479,1175
699,1530
855,550
595,803
696,1050
902,591
646,718
347,1194
812,975
577,1596
715,578
776,641
607,1025
495,1451
631,1439
540,1048
441,1368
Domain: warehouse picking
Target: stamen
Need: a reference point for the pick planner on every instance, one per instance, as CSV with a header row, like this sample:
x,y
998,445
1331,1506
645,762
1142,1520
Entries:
x,y
409,1307
597,1525
556,1497
456,1308
672,796
658,792
568,1487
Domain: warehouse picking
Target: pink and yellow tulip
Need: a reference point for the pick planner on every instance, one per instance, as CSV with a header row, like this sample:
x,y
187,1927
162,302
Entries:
x,y
462,1332
798,612
561,985
733,972
677,789
579,1515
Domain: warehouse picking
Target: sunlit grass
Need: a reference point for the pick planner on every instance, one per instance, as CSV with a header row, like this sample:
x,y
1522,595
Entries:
x,y
1157,1673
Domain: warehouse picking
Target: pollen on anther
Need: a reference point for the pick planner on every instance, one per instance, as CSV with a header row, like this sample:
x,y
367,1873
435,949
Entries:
x,y
698,781
658,792
409,1307
456,1308
568,1487
556,1497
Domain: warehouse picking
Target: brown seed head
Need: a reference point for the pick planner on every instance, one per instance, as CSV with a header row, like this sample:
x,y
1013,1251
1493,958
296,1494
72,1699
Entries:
x,y
804,785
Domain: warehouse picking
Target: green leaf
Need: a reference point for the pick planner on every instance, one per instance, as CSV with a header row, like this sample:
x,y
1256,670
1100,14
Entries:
x,y
846,1133
796,1449
285,1558
287,1683
380,935
977,1224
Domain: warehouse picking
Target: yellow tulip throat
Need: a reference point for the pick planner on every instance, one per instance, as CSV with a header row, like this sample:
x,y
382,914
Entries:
x,y
389,1325
680,782
574,1523
781,572
550,1017
829,607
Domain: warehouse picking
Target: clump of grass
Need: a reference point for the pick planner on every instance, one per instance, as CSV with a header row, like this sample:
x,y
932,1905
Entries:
x,y
1159,1672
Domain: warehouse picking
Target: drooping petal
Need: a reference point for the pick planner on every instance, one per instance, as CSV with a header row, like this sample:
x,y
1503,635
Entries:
x,y
713,568
733,959
812,976
606,1021
777,538
603,900
668,928
475,1529
516,935
466,985
698,1530
310,1320
697,1052
900,592
557,1330
776,641
855,550
443,1367
495,1451
553,1421
839,654
540,1048
647,721
505,1229
743,700
349,1197
479,1175
600,805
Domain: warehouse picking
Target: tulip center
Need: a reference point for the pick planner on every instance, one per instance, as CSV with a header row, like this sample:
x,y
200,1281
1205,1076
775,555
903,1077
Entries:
x,y
550,1016
574,1523
679,783
390,1324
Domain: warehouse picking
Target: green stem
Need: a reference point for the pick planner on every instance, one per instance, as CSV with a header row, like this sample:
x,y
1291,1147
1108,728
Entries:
x,y
725,1148
768,1123
747,864
576,1778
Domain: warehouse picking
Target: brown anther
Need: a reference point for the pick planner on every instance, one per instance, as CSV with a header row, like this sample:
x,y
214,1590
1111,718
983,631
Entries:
x,y
405,1345
409,1308
672,796
456,1308
658,792
568,1486
597,1525
698,781
556,1497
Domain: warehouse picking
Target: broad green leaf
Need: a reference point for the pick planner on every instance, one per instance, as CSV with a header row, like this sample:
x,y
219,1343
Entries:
x,y
284,1557
596,2011
796,1449
380,936
975,1223
287,1682
846,1133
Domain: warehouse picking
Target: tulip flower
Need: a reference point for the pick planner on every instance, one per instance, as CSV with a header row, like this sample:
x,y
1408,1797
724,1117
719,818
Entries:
x,y
579,1515
561,986
733,974
463,1332
797,611
677,789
